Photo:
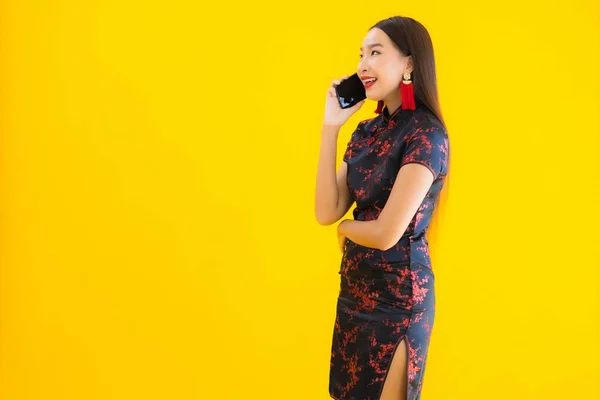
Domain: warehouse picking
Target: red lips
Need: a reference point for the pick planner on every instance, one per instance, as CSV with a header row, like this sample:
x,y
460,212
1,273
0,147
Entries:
x,y
366,78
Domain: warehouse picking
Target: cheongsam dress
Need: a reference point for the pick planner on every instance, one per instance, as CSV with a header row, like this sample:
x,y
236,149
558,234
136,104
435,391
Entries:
x,y
386,296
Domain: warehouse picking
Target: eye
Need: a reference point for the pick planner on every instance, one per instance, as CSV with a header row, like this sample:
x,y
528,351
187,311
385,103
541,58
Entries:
x,y
374,51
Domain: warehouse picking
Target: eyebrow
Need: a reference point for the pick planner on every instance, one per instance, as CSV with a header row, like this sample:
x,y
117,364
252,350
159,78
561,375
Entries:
x,y
373,45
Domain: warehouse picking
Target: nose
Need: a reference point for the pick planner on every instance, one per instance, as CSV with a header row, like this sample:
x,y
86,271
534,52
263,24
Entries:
x,y
362,65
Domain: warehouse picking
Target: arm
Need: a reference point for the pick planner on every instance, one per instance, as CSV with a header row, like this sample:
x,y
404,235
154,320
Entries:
x,y
332,198
411,185
422,161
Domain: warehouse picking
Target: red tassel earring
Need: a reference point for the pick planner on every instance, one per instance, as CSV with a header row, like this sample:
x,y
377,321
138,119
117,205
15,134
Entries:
x,y
407,93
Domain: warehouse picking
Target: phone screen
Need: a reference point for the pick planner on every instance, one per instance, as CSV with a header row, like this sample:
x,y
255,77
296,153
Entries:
x,y
350,91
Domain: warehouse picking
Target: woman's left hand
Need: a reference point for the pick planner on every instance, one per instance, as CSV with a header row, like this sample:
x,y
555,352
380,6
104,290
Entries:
x,y
341,239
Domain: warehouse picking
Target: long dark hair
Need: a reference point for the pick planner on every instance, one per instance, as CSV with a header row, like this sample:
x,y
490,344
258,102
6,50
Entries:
x,y
412,39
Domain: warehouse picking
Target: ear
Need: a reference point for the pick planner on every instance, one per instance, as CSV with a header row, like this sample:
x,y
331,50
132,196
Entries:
x,y
409,65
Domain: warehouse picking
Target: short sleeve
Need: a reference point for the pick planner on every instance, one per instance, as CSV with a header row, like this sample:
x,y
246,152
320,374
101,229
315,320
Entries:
x,y
348,151
428,147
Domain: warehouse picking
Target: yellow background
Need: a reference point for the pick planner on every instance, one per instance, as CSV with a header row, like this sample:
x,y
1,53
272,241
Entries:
x,y
158,163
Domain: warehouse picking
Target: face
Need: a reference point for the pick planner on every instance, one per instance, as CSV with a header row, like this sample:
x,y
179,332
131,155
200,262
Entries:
x,y
381,59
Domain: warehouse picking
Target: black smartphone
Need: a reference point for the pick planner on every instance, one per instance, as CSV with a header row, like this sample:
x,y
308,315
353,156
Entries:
x,y
350,91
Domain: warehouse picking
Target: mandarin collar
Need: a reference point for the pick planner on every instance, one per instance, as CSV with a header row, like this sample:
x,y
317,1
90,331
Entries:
x,y
386,116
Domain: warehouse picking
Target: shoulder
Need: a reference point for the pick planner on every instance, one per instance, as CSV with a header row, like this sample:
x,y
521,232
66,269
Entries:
x,y
427,131
425,123
427,143
422,128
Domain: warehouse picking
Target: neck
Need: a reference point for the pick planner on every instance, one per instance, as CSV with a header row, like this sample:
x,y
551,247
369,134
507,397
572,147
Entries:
x,y
393,101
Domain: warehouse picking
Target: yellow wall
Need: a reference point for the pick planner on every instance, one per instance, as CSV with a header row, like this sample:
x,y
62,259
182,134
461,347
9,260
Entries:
x,y
158,164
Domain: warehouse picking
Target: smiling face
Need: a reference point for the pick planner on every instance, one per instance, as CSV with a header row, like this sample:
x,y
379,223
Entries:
x,y
380,59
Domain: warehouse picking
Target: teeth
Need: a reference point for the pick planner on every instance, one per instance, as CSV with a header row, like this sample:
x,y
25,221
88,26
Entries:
x,y
370,80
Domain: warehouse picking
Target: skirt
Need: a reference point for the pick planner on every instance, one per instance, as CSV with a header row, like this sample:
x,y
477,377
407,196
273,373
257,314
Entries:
x,y
377,308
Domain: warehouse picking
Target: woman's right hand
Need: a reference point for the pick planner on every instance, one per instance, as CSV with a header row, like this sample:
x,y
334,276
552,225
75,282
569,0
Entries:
x,y
335,115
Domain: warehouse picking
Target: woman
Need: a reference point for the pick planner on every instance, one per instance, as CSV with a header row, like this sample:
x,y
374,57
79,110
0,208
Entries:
x,y
394,168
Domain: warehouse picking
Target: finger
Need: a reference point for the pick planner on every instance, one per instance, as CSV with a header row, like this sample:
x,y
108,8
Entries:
x,y
331,92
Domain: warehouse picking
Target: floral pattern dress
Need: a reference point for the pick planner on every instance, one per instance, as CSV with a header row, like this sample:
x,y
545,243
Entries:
x,y
387,296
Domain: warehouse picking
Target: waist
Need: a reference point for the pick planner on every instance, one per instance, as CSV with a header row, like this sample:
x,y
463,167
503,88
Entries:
x,y
408,249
